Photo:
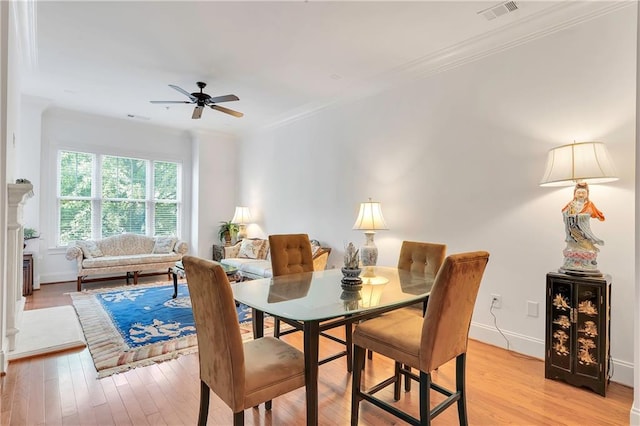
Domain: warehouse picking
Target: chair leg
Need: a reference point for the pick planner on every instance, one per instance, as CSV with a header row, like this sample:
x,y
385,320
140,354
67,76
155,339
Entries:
x,y
369,354
425,403
407,380
397,376
460,387
238,418
204,404
358,366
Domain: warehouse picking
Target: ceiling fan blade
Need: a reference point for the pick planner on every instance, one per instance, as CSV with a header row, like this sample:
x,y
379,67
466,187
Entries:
x,y
227,111
171,102
184,92
197,112
225,98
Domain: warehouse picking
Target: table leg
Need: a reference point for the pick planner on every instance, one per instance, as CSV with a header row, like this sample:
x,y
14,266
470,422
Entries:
x,y
258,323
311,331
175,285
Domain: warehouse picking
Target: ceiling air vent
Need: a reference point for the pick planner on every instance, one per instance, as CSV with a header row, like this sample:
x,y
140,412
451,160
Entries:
x,y
499,10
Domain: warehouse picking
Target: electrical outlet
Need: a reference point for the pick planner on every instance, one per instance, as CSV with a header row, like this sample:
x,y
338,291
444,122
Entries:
x,y
532,309
496,301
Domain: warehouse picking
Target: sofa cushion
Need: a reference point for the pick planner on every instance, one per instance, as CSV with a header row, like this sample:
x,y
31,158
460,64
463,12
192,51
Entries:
x,y
126,244
89,249
164,244
251,268
132,259
250,249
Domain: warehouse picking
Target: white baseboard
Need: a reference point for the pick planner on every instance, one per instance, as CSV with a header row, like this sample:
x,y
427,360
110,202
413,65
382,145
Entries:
x,y
57,277
622,370
634,418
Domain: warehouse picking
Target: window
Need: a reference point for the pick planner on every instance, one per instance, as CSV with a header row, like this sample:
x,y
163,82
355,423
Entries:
x,y
104,195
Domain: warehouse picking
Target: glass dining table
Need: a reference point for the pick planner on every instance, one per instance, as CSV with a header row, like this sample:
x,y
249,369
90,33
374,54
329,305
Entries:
x,y
316,301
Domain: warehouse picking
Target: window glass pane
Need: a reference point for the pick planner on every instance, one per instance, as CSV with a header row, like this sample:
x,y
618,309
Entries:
x,y
75,174
75,221
165,178
124,178
123,216
166,222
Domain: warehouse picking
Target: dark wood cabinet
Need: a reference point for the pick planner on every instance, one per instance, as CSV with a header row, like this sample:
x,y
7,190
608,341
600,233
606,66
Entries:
x,y
27,274
578,330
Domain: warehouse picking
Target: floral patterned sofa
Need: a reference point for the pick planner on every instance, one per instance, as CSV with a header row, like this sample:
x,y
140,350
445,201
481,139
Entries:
x,y
130,253
252,257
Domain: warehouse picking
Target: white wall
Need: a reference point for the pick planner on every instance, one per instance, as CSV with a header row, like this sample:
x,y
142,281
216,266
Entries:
x,y
634,415
62,129
457,157
214,188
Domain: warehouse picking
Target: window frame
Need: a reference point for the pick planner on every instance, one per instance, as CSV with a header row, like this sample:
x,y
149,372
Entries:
x,y
96,199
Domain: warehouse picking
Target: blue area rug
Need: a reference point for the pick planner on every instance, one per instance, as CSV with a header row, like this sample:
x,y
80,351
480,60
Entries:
x,y
136,325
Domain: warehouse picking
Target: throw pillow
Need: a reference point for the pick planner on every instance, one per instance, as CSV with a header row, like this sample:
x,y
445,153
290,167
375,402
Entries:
x,y
164,245
89,249
249,249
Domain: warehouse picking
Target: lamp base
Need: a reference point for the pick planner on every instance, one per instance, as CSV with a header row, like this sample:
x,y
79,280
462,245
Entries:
x,y
369,251
242,231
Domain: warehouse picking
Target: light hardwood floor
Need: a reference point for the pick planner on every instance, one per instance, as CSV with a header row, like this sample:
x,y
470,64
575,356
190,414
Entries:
x,y
503,388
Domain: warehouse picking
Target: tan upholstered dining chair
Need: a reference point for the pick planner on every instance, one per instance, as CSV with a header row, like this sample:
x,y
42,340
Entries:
x,y
291,254
417,258
424,343
243,375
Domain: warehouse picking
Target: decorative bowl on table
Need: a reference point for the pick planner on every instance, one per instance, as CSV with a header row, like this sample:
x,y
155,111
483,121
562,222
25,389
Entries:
x,y
351,279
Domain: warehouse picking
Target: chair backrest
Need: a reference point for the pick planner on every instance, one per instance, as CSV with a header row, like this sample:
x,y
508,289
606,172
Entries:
x,y
445,329
421,258
290,254
220,347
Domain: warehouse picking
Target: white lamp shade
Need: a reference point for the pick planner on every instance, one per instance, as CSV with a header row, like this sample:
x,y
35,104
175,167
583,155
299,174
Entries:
x,y
579,162
241,216
370,217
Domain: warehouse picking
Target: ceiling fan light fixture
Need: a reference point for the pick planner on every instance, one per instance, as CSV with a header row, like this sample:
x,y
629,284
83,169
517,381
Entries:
x,y
202,100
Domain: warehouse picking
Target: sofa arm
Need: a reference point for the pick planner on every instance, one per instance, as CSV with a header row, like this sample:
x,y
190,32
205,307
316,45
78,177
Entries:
x,y
232,251
181,247
320,259
73,252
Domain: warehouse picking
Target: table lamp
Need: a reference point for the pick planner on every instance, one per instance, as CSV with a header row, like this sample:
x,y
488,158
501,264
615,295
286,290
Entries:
x,y
369,220
241,217
579,164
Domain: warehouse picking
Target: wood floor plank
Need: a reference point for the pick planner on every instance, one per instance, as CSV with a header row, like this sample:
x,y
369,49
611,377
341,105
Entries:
x,y
503,388
52,405
35,405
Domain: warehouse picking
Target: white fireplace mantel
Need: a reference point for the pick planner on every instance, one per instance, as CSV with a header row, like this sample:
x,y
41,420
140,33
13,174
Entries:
x,y
18,195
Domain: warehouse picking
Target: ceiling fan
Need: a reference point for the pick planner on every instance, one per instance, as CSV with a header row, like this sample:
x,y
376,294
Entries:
x,y
202,99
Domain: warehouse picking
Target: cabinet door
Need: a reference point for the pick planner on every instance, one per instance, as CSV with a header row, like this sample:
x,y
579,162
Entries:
x,y
589,329
561,330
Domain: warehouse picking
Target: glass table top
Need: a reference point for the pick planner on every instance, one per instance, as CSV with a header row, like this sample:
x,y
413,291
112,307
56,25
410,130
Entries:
x,y
229,270
319,295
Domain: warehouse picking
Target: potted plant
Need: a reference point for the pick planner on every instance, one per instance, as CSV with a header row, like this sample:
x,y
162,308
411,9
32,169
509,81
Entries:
x,y
227,231
29,234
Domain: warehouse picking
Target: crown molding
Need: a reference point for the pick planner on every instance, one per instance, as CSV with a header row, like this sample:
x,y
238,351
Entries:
x,y
556,18
25,19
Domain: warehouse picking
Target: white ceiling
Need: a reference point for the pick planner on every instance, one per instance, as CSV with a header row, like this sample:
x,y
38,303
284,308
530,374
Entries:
x,y
282,59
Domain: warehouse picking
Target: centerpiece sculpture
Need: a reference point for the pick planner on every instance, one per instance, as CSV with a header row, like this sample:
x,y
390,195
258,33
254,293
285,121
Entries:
x,y
351,271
